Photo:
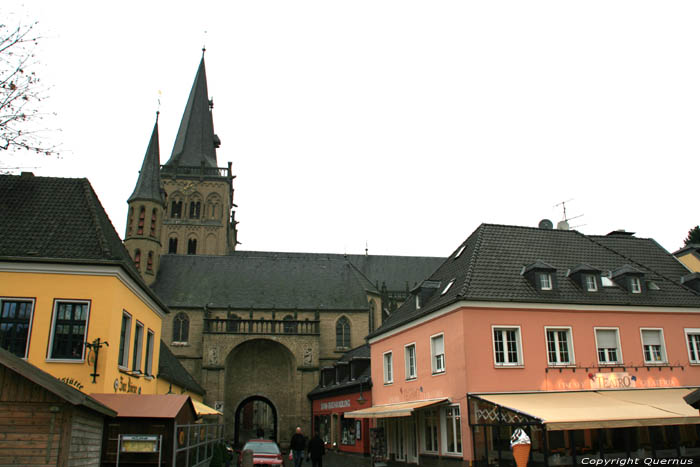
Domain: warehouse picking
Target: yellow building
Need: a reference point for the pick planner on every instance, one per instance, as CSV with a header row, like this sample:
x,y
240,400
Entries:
x,y
71,301
689,256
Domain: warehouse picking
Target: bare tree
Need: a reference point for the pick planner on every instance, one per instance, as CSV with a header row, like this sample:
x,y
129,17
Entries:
x,y
20,91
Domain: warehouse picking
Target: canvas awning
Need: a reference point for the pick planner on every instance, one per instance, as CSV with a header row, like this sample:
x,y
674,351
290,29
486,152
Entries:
x,y
601,409
203,409
402,409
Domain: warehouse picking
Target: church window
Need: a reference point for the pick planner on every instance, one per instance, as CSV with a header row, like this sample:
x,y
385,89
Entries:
x,y
149,264
290,325
137,259
176,210
129,227
342,333
181,328
195,209
192,246
154,216
142,219
172,245
372,306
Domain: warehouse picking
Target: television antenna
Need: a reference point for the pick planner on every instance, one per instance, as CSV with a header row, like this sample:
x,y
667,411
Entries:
x,y
564,223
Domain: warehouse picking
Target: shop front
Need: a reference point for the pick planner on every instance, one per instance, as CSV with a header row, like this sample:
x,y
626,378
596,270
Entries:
x,y
339,431
579,427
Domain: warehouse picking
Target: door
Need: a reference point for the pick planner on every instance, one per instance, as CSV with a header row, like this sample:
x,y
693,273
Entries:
x,y
411,440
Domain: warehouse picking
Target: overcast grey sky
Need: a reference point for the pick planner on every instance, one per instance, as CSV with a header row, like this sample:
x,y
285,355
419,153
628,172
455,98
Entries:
x,y
402,124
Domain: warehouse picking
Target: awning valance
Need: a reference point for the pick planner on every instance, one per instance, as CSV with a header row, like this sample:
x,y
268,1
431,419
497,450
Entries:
x,y
203,409
601,409
402,409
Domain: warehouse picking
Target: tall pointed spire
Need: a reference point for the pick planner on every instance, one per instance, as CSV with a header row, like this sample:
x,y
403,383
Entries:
x,y
196,142
148,185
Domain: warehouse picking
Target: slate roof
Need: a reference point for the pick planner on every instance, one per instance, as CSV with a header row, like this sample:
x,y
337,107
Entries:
x,y
364,378
170,369
400,273
51,384
490,265
195,141
59,220
148,184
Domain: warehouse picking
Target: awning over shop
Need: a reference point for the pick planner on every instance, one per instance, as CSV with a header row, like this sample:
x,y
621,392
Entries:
x,y
203,409
402,409
601,409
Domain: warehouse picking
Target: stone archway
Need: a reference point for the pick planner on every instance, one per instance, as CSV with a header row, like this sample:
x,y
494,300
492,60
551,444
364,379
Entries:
x,y
262,370
256,417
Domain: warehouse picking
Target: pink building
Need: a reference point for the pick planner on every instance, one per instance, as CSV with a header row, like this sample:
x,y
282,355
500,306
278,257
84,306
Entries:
x,y
588,343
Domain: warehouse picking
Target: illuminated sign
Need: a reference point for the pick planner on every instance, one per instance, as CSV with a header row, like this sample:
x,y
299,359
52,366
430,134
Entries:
x,y
616,380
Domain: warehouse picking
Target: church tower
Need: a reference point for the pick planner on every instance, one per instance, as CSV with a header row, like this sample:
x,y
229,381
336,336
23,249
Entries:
x,y
198,213
146,205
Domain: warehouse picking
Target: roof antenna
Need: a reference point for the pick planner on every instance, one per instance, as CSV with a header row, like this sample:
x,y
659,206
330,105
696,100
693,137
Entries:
x,y
564,223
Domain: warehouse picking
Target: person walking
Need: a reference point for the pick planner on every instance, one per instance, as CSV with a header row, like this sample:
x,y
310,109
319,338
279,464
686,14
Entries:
x,y
298,446
316,449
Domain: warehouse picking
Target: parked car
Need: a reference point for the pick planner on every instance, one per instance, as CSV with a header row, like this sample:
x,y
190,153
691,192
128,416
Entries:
x,y
265,452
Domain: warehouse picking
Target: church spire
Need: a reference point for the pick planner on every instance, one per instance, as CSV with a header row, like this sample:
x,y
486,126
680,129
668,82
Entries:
x,y
148,185
196,142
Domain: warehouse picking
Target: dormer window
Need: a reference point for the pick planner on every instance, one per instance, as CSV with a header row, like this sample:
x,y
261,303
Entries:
x,y
591,283
629,278
606,281
545,281
585,276
635,285
540,275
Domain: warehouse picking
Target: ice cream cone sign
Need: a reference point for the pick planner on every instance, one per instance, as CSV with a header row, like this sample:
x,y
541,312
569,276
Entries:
x,y
520,444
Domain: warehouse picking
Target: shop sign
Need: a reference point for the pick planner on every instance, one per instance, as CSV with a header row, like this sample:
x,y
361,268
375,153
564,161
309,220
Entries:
x,y
139,443
335,404
615,380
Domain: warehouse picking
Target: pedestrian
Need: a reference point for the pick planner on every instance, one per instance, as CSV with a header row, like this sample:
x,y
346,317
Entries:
x,y
297,446
260,433
316,449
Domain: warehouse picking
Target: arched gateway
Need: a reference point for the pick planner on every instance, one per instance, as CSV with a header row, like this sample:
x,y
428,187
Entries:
x,y
255,417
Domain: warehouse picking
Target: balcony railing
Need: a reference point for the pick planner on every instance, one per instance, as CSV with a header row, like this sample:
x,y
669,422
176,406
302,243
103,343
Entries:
x,y
202,171
261,326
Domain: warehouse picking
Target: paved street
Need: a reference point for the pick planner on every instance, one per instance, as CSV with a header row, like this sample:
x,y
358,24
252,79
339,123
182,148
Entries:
x,y
335,459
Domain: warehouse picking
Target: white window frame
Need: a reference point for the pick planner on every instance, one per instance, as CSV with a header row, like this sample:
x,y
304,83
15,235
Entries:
x,y
388,370
124,352
635,285
138,347
620,360
447,287
53,331
443,430
519,342
434,357
545,281
410,375
432,414
569,343
664,355
591,282
150,337
696,345
31,317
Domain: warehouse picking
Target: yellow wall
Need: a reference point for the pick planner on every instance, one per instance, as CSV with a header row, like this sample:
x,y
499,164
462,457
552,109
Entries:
x,y
108,296
164,386
691,261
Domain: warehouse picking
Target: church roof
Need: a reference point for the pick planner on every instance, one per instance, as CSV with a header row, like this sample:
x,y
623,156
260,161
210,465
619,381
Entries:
x,y
400,273
196,142
148,184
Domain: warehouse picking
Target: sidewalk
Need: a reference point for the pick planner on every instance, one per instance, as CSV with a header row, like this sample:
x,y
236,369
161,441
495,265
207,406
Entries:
x,y
337,459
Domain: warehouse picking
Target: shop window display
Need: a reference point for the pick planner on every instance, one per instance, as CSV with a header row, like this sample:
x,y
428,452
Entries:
x,y
348,433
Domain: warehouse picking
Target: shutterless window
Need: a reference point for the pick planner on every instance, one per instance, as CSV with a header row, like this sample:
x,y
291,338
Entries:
x,y
410,357
447,287
608,346
591,284
388,369
437,350
150,337
559,346
693,339
635,285
431,424
452,430
15,324
124,338
138,345
546,281
506,343
69,330
652,343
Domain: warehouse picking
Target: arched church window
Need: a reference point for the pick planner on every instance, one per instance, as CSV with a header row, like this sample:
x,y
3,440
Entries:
x,y
149,264
342,333
290,325
372,307
130,225
137,259
233,322
142,219
181,327
154,216
176,210
192,246
172,245
195,209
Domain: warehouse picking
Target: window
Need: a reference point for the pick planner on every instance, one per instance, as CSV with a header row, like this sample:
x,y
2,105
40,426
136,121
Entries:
x,y
342,333
15,324
635,285
372,307
137,259
150,337
142,219
181,327
129,226
608,345
69,330
124,338
606,282
149,262
172,245
192,246
447,287
176,210
437,353
154,216
693,338
452,429
653,345
431,423
410,358
506,346
388,369
195,208
459,252
559,346
591,283
138,345
545,281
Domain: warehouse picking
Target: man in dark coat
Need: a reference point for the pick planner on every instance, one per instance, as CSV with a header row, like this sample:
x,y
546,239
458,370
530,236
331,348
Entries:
x,y
298,446
316,449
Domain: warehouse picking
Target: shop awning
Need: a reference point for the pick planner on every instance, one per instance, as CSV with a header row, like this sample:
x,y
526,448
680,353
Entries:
x,y
601,409
203,409
402,409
